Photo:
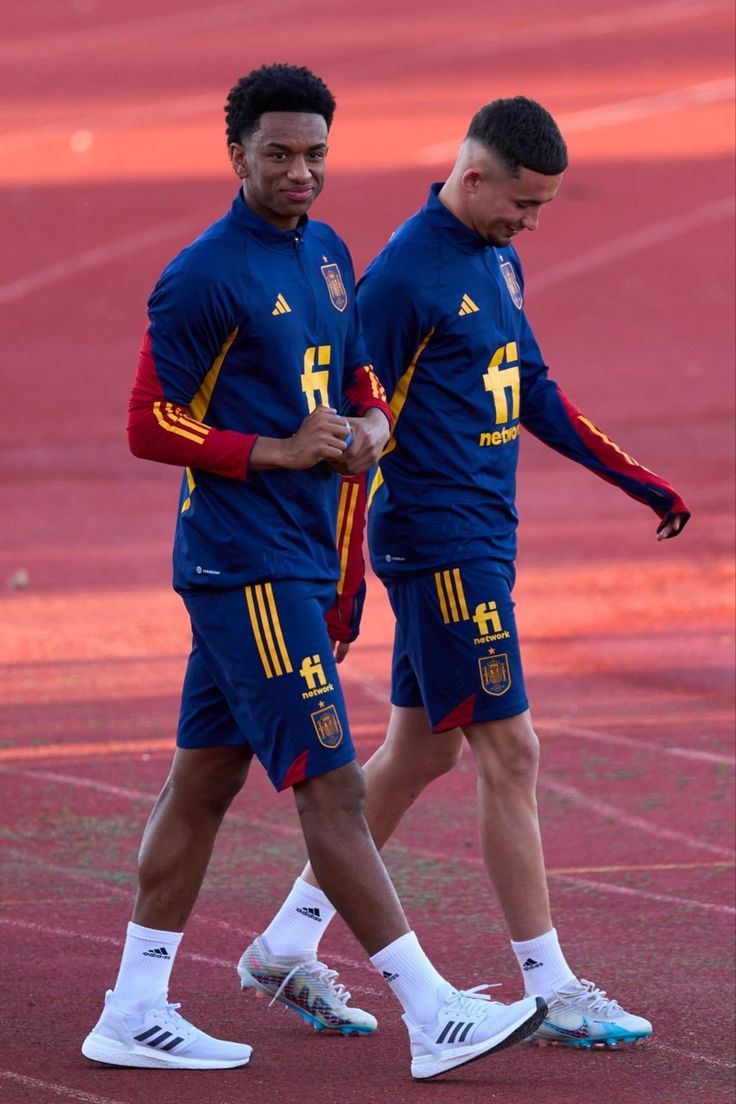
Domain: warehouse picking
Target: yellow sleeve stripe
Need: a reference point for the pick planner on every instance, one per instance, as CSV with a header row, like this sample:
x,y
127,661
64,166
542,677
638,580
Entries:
x,y
173,423
402,390
377,482
200,402
349,490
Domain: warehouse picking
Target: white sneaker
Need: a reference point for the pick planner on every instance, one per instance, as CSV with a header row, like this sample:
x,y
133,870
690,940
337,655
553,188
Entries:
x,y
310,988
468,1025
158,1038
580,1015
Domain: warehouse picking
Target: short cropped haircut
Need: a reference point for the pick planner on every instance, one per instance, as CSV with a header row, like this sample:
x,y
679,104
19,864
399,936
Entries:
x,y
522,133
275,88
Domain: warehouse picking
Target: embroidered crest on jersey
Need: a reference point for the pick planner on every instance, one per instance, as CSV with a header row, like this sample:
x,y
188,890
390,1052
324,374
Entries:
x,y
467,306
335,286
495,675
327,726
513,285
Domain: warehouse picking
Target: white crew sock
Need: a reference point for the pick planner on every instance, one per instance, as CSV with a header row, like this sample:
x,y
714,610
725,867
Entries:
x,y
413,978
300,923
148,956
542,964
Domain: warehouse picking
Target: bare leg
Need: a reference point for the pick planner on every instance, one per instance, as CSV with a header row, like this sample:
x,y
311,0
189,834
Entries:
x,y
507,756
409,759
345,859
178,839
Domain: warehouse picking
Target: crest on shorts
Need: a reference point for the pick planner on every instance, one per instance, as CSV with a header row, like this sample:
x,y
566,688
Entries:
x,y
327,726
335,286
514,287
495,675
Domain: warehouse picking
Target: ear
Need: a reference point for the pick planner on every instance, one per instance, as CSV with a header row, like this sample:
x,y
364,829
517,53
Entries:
x,y
471,179
237,159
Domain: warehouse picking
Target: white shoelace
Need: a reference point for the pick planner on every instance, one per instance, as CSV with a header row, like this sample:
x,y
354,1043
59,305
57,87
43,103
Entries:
x,y
588,994
320,972
461,998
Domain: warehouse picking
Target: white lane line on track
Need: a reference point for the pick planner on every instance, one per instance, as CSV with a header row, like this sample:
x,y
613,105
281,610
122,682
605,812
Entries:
x,y
626,891
645,238
95,258
208,960
541,35
55,1087
701,94
631,742
647,827
722,1063
465,861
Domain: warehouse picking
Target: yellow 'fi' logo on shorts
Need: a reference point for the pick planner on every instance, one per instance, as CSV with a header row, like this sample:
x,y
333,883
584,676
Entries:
x,y
313,674
327,726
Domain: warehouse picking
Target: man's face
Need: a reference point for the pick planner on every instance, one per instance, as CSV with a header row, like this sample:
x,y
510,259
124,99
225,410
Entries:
x,y
282,165
499,206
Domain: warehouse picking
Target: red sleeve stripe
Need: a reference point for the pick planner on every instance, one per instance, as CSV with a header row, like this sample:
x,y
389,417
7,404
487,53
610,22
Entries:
x,y
603,447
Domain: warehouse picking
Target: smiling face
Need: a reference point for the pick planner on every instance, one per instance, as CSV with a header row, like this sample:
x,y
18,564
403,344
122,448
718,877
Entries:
x,y
491,200
282,165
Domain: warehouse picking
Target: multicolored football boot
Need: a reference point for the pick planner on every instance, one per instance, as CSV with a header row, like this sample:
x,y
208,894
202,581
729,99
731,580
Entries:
x,y
581,1015
309,988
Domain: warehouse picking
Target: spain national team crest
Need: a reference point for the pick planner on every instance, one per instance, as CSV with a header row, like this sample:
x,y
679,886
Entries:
x,y
495,675
335,286
512,283
327,726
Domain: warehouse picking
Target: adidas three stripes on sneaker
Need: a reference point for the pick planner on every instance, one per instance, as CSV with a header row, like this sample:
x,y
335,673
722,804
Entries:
x,y
158,1038
468,1026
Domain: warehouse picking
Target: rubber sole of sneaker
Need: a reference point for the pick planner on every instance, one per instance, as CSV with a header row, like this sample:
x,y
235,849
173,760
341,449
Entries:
x,y
249,983
109,1052
591,1044
424,1069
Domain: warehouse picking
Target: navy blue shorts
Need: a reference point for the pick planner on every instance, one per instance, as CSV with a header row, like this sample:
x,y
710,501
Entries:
x,y
261,675
456,647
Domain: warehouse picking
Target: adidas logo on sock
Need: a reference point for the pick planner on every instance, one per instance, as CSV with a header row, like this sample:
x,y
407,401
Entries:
x,y
531,964
389,976
159,952
312,913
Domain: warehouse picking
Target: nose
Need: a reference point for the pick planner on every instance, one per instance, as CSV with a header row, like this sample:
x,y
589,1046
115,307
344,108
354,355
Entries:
x,y
530,221
299,171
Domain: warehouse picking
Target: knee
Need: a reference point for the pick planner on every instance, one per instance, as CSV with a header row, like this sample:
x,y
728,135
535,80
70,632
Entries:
x,y
332,796
440,757
512,761
210,790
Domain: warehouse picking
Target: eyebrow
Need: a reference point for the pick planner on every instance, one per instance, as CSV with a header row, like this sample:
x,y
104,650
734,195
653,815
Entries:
x,y
288,149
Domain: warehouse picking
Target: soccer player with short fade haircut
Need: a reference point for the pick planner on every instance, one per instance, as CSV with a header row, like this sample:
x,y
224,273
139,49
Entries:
x,y
443,311
254,377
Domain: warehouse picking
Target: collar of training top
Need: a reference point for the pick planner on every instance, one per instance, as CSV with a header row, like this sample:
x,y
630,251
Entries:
x,y
446,224
247,219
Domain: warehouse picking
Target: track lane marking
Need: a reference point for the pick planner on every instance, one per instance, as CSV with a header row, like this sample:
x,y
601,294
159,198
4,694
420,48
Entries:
x,y
614,114
96,257
646,237
56,1087
628,891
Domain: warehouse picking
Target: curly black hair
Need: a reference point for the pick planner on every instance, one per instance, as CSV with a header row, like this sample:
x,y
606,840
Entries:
x,y
276,87
522,133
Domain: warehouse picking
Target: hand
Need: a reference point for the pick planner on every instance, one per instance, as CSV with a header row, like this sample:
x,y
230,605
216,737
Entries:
x,y
670,525
321,436
340,649
370,437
